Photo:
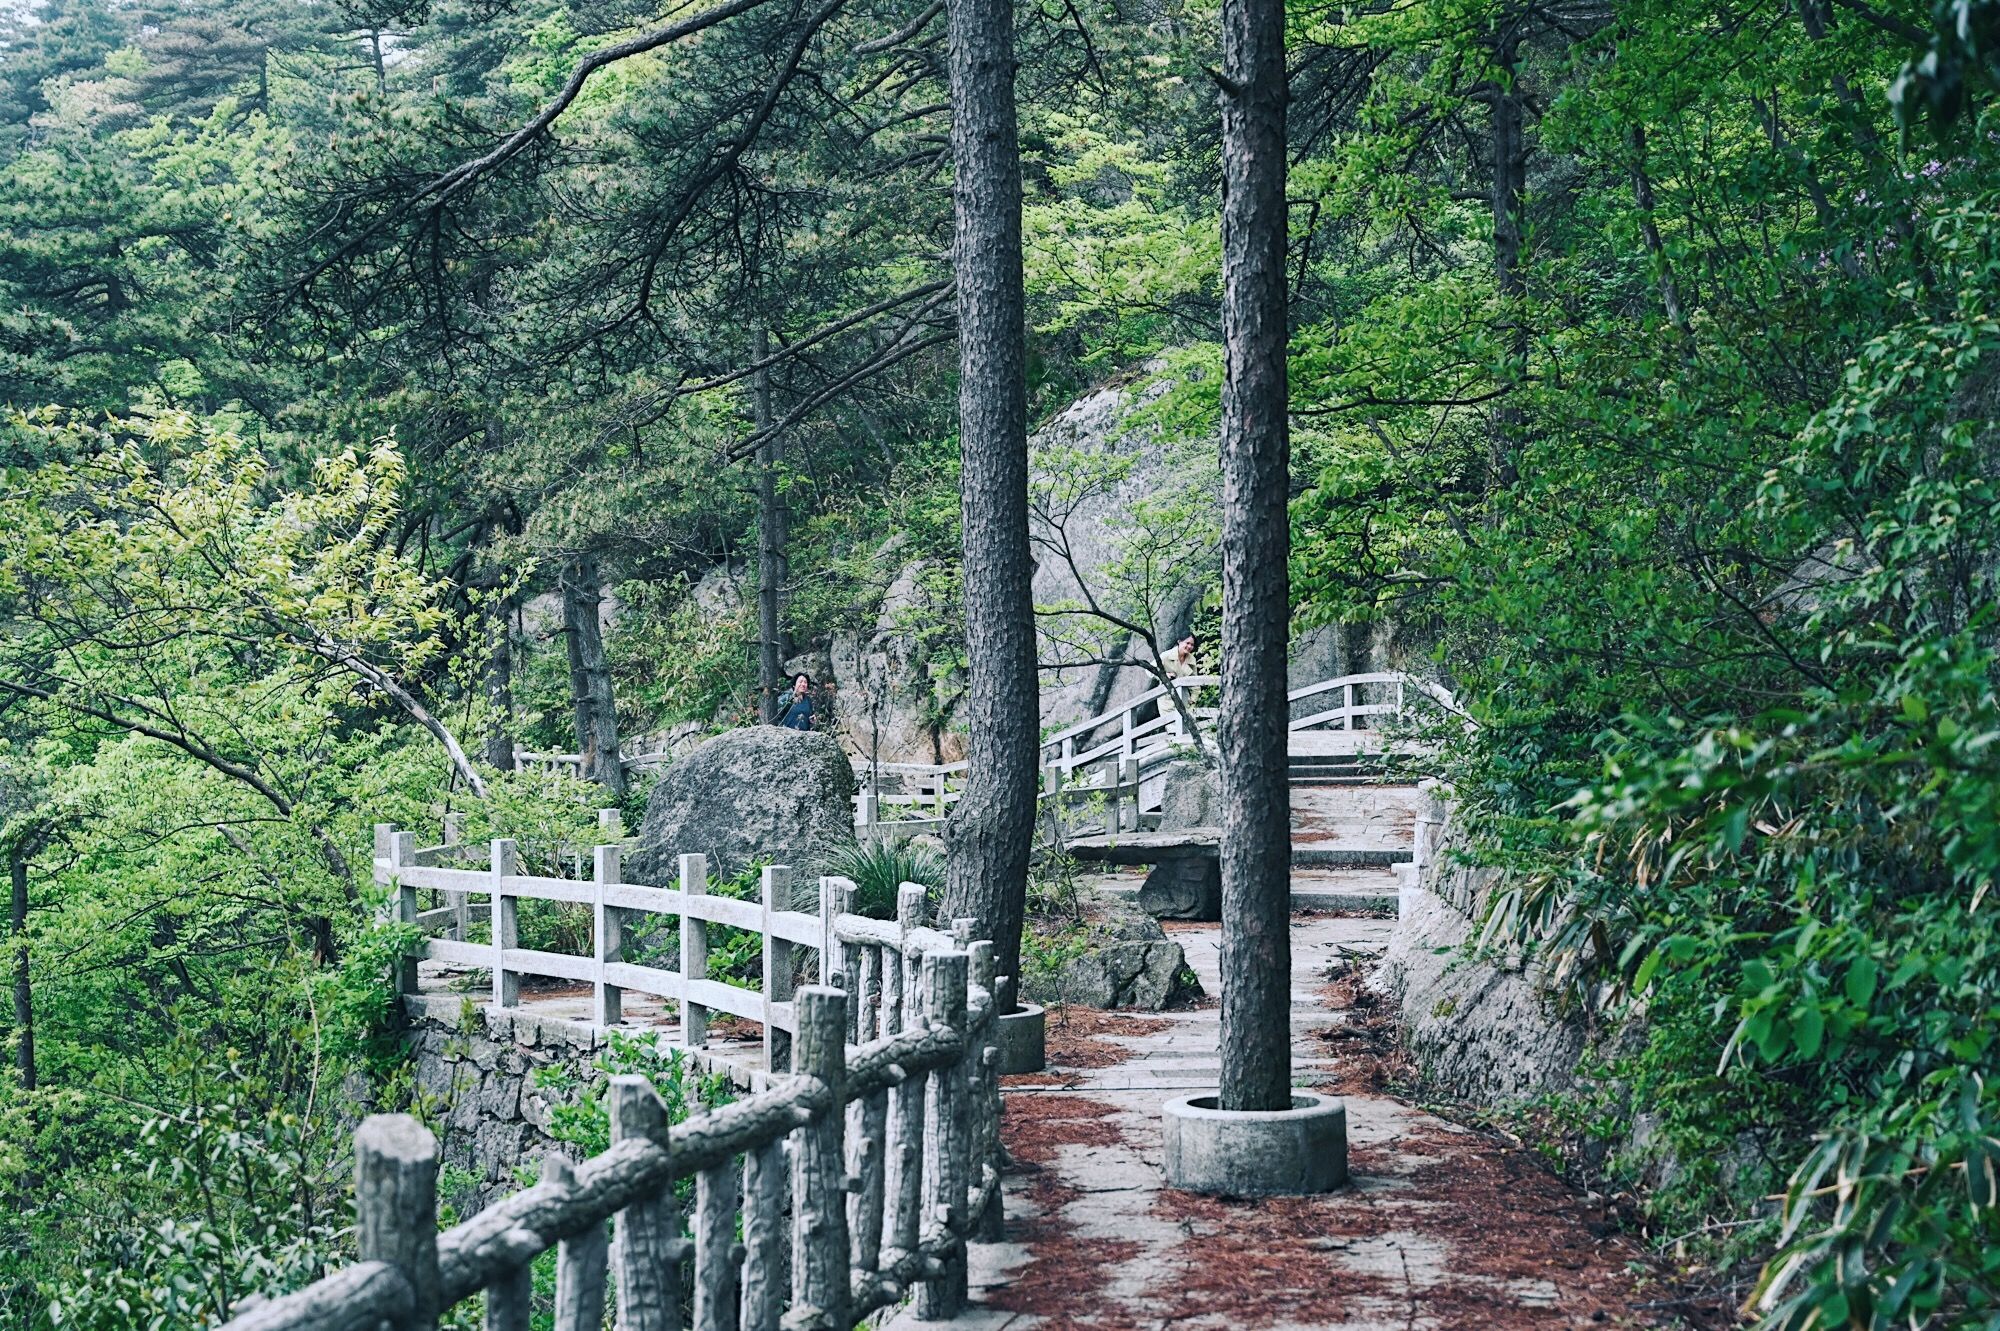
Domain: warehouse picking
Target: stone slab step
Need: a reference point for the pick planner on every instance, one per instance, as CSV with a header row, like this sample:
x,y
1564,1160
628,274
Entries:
x,y
1347,857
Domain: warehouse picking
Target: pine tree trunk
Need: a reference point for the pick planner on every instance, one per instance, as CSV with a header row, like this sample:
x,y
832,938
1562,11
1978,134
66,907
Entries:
x,y
1256,590
770,549
590,677
991,830
499,682
24,992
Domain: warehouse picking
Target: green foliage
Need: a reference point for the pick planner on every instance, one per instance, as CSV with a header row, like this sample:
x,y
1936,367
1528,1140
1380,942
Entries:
x,y
580,1119
878,870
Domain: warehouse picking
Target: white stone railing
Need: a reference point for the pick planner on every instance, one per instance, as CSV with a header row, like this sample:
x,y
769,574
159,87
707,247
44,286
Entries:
x,y
863,1173
1083,761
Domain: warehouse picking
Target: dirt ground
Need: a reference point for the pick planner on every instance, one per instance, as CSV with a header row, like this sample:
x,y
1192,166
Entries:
x,y
1441,1228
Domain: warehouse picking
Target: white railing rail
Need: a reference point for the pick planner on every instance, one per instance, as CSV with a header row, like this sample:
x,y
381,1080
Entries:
x,y
864,1173
638,755
1092,756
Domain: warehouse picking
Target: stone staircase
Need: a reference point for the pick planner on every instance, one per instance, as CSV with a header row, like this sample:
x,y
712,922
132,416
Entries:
x,y
1349,841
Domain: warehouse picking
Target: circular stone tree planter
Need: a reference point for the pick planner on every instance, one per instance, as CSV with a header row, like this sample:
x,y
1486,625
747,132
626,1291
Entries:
x,y
1021,1035
1256,1153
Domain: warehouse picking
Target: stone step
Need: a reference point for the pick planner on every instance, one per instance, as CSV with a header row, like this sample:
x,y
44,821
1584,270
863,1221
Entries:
x,y
1322,856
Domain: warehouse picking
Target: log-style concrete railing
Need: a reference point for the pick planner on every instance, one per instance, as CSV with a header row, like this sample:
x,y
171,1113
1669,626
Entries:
x,y
858,1178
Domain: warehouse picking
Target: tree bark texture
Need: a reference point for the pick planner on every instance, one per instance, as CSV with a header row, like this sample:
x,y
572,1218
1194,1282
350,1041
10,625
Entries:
x,y
499,748
770,547
590,676
1256,584
992,828
24,991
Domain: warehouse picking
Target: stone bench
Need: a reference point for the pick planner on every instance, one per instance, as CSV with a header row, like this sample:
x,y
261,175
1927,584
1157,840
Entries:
x,y
1186,879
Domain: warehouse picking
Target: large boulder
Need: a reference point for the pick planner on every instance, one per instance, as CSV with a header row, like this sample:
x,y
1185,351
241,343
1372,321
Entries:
x,y
759,795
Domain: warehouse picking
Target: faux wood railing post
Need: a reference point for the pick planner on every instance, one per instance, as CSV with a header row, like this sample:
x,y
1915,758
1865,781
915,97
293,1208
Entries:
x,y
607,935
819,1168
903,1163
645,1249
716,1252
867,1123
510,1301
506,927
778,964
982,1094
839,961
764,1179
403,858
581,1261
944,1141
395,1207
694,951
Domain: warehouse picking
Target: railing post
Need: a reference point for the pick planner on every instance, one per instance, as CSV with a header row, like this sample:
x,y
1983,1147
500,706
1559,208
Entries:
x,y
611,822
644,1250
403,858
607,934
764,1206
839,962
506,926
819,1167
778,962
694,950
581,1260
871,811
395,1207
943,1296
904,1165
868,1119
983,1095
832,902
460,902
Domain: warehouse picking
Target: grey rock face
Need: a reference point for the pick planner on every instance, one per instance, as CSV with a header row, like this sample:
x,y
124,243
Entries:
x,y
1189,796
759,795
1129,974
886,701
1477,1029
1098,528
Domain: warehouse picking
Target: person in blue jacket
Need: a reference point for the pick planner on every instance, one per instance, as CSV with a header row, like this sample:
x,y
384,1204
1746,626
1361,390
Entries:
x,y
798,709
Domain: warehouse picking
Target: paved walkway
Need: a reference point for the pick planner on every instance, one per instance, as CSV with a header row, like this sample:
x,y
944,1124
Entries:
x,y
1441,1228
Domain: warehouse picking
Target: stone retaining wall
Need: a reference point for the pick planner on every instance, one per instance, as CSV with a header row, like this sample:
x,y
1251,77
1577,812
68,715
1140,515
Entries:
x,y
475,1067
1482,1028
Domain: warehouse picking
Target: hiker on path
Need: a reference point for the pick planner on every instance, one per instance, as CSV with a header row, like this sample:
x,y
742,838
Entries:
x,y
798,712
1181,660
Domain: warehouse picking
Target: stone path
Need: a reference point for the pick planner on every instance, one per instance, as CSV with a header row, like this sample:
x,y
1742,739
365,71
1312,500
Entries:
x,y
1441,1229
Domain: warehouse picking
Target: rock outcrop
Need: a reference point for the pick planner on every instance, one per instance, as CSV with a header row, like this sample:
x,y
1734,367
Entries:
x,y
1126,961
1189,796
1483,1028
758,795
